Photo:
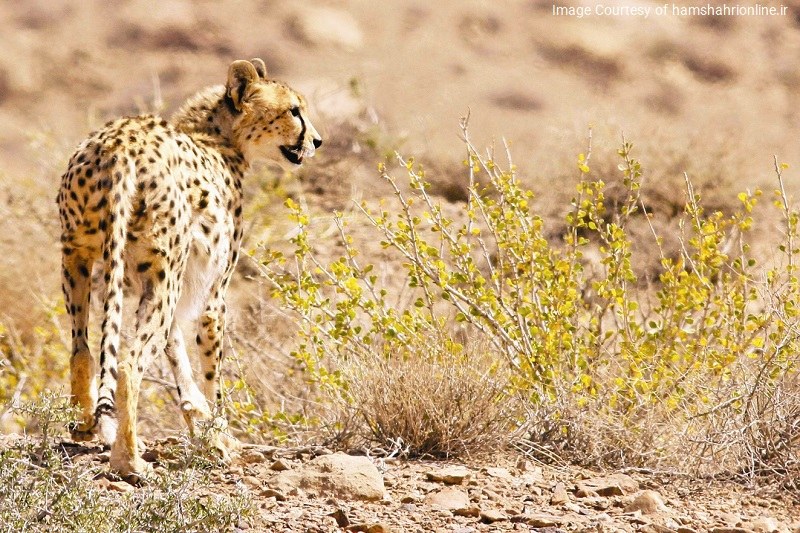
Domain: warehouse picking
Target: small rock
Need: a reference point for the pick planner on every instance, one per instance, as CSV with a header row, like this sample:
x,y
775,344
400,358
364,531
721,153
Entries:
x,y
729,519
151,456
279,466
448,498
253,457
490,516
340,475
613,485
585,493
648,502
411,498
272,493
120,486
370,528
491,495
341,518
560,495
499,473
538,521
596,502
534,477
764,525
472,511
729,530
252,482
452,475
685,529
656,528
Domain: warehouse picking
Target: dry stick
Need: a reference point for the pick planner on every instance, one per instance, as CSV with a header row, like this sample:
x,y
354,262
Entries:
x,y
786,214
16,396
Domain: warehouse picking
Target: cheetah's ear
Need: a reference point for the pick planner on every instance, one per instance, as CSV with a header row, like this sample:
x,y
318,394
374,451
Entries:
x,y
261,67
240,74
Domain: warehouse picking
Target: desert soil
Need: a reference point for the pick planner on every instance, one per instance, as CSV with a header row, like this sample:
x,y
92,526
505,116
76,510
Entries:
x,y
313,489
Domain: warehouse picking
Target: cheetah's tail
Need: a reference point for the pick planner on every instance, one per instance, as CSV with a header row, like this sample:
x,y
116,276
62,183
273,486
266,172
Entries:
x,y
122,175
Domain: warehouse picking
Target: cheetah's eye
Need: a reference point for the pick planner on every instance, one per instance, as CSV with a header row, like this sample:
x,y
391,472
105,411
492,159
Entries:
x,y
295,111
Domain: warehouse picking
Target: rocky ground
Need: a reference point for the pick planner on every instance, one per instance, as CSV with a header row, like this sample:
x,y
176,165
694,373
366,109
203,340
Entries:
x,y
316,490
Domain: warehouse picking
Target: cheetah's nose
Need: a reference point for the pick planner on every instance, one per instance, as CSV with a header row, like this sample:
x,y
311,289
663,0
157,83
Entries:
x,y
317,143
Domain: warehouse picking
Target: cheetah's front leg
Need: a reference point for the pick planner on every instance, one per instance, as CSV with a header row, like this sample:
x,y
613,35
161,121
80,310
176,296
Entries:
x,y
209,345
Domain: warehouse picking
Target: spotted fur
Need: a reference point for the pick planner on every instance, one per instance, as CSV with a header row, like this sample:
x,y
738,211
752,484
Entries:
x,y
159,204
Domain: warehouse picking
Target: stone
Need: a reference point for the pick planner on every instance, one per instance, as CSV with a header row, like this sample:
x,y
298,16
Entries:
x,y
279,466
413,497
585,493
341,517
499,473
764,525
448,498
729,530
472,511
379,527
560,495
452,475
491,495
252,482
490,516
321,26
646,502
339,475
729,519
272,493
538,521
656,528
120,486
252,457
613,485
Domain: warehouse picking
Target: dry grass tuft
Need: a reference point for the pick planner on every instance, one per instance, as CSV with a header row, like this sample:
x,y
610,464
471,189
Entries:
x,y
433,400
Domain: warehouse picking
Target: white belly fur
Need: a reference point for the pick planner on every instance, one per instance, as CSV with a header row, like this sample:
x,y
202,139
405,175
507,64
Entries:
x,y
205,267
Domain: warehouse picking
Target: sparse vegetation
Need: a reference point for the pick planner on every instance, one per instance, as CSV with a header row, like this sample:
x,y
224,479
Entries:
x,y
694,372
46,488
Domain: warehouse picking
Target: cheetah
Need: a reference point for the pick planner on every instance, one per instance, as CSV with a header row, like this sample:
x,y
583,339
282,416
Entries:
x,y
157,205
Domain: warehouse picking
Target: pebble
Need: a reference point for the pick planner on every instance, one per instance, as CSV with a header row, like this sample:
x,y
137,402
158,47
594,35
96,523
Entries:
x,y
560,495
454,475
647,502
279,466
448,498
490,516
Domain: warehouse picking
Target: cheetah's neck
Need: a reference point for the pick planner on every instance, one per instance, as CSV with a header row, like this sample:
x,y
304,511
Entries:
x,y
206,115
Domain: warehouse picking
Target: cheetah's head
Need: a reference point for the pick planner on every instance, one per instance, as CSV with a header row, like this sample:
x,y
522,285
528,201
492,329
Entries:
x,y
270,119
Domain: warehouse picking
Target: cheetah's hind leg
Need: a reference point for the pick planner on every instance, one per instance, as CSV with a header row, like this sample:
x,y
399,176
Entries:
x,y
77,285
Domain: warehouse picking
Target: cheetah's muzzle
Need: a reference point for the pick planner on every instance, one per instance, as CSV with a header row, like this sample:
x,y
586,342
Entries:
x,y
293,154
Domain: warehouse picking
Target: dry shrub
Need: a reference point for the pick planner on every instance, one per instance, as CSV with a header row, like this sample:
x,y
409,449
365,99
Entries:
x,y
433,399
694,370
